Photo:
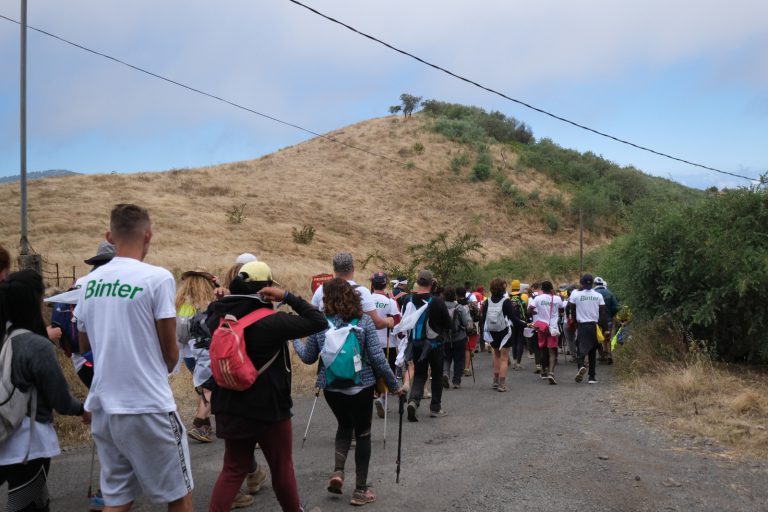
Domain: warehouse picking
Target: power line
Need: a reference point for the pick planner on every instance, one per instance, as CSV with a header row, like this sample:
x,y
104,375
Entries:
x,y
213,96
519,102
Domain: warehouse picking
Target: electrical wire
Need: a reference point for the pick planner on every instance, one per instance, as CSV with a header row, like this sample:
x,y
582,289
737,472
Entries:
x,y
215,97
519,102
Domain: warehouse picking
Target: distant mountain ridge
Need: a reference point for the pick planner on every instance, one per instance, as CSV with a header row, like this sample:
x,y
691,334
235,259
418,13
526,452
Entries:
x,y
37,175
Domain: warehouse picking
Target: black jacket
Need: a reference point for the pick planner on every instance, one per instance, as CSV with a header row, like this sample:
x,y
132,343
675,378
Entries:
x,y
269,399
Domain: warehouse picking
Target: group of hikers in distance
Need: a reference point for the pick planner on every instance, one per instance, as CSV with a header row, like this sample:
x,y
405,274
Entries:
x,y
128,326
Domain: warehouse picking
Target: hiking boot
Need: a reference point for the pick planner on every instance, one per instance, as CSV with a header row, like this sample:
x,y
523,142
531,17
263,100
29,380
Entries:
x,y
502,388
255,480
551,378
242,501
580,375
544,373
96,501
201,434
412,411
336,482
456,385
437,414
446,381
495,384
538,369
592,380
467,372
379,403
362,497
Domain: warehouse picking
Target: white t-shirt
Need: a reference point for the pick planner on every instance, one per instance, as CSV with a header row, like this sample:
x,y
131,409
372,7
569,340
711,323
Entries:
x,y
42,445
588,304
385,307
543,303
117,308
366,300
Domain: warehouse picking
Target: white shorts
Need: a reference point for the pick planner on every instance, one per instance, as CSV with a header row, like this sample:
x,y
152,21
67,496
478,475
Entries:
x,y
142,454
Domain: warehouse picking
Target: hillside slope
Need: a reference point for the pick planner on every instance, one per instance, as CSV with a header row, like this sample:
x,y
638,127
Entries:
x,y
355,201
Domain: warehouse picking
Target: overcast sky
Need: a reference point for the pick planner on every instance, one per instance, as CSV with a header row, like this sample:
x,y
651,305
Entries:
x,y
688,78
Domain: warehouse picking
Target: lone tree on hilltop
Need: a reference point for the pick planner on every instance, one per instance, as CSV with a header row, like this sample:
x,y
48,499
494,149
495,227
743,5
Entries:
x,y
410,103
394,109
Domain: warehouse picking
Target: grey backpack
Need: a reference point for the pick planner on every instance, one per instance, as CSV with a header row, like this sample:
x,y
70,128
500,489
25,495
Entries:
x,y
14,403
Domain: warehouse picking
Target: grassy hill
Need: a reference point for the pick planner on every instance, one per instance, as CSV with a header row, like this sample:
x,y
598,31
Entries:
x,y
354,201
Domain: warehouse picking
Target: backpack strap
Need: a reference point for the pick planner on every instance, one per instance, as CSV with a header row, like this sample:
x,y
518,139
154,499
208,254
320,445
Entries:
x,y
254,316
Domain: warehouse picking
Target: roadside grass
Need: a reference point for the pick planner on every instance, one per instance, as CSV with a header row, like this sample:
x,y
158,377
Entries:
x,y
685,391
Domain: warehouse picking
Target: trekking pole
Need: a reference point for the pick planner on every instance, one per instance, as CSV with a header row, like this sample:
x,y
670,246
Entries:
x,y
386,393
401,409
306,431
472,365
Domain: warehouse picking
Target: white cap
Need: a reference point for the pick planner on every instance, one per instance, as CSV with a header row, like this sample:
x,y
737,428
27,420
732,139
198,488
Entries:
x,y
246,257
599,281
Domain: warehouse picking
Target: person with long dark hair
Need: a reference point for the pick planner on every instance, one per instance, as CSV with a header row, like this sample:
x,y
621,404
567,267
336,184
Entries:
x,y
25,456
350,401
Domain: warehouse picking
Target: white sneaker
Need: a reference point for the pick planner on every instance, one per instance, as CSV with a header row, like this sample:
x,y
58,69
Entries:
x,y
592,381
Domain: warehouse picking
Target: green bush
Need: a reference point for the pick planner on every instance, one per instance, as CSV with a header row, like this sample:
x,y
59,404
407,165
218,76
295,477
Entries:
x,y
519,201
553,222
554,201
534,195
704,263
481,172
303,236
459,162
495,124
418,148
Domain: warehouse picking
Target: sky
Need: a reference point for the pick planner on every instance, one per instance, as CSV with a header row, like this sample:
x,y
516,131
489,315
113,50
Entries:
x,y
689,78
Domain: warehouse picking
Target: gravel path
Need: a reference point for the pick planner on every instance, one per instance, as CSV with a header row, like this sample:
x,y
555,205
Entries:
x,y
536,448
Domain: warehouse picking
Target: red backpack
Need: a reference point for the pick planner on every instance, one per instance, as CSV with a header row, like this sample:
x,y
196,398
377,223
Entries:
x,y
230,364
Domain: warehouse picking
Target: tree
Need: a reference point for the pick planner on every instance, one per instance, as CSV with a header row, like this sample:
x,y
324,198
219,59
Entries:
x,y
394,109
448,260
410,103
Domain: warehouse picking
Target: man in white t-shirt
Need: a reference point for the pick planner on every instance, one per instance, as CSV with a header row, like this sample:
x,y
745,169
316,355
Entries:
x,y
545,309
344,268
588,307
126,316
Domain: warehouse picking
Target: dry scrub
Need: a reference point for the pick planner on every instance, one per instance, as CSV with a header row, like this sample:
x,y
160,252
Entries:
x,y
694,396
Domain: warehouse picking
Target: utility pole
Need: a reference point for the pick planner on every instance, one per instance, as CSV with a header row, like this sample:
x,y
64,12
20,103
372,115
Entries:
x,y
26,260
23,128
581,243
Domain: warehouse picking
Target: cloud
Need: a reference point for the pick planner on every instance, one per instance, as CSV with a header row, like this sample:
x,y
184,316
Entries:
x,y
281,59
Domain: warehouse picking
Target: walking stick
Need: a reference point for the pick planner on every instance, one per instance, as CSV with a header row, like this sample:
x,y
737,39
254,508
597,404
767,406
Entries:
x,y
386,395
401,409
306,431
472,365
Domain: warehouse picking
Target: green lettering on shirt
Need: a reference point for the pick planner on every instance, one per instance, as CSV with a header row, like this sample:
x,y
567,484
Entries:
x,y
99,288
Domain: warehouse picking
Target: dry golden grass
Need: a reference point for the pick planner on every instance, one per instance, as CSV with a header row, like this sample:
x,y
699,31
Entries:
x,y
710,401
355,201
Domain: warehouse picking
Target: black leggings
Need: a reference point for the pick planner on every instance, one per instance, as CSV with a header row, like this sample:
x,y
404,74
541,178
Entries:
x,y
354,413
27,485
518,344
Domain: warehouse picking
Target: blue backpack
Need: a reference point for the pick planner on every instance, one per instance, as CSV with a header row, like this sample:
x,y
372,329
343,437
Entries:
x,y
344,371
61,317
421,329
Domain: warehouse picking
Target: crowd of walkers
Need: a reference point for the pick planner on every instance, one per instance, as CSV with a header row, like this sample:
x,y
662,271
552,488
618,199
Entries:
x,y
127,325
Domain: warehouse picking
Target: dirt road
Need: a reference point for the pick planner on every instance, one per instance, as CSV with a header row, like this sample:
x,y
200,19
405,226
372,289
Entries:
x,y
536,448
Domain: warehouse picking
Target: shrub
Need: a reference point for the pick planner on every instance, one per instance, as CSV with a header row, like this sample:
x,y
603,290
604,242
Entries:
x,y
534,195
554,201
303,236
704,264
519,201
395,109
410,166
481,172
236,214
508,189
553,222
418,148
459,162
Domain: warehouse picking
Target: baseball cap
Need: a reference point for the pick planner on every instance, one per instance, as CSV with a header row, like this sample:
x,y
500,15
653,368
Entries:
x,y
244,258
425,278
104,253
343,263
256,271
379,278
587,280
514,286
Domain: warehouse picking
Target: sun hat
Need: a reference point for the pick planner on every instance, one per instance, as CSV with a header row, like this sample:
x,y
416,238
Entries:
x,y
104,253
199,271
